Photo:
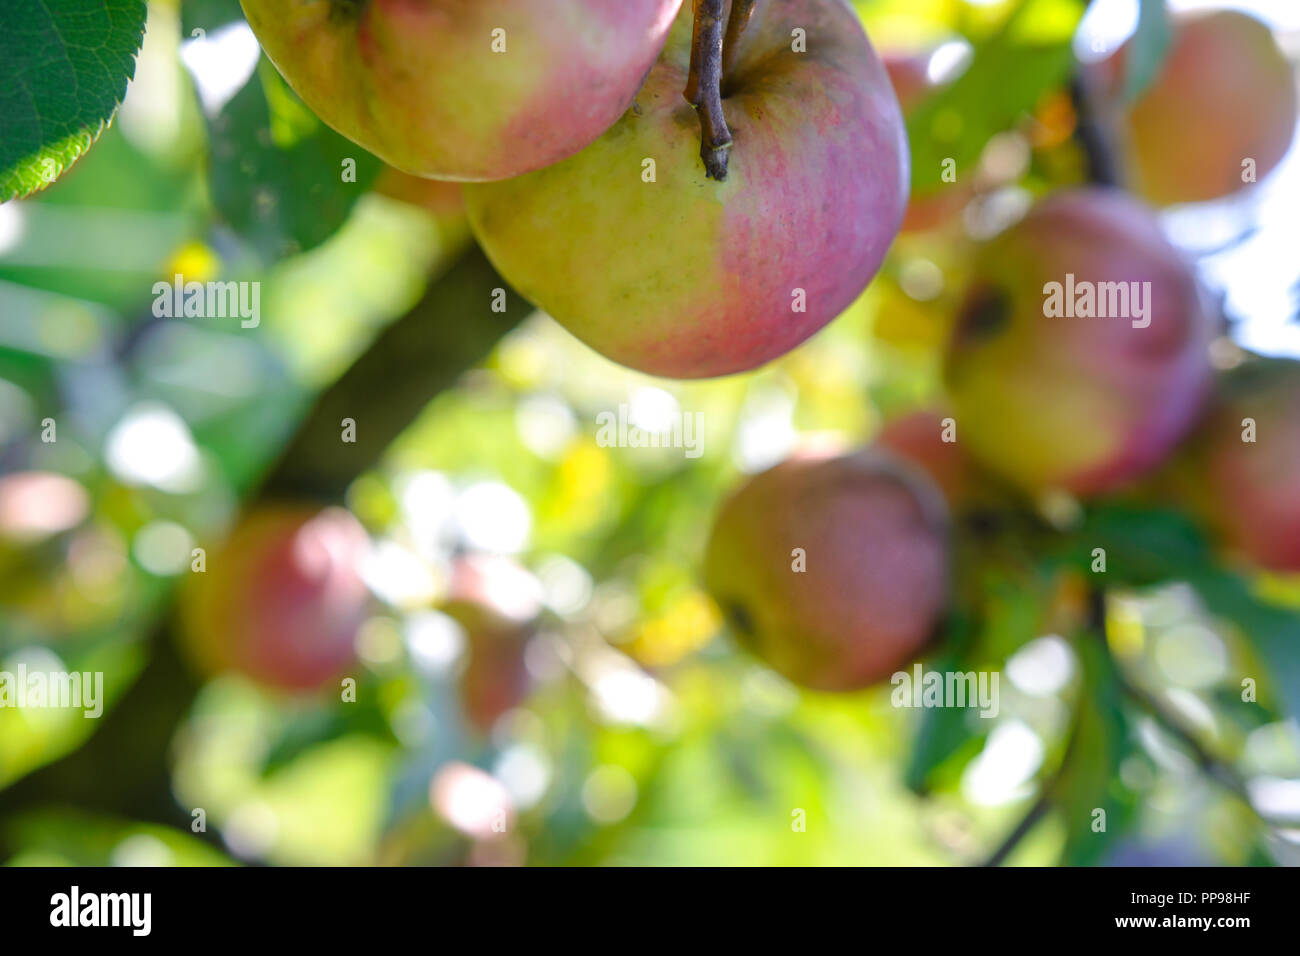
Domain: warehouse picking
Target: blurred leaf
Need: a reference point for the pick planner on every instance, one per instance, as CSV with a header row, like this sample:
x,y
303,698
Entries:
x,y
1089,778
1146,547
29,741
1273,632
944,732
1008,74
208,15
67,64
1146,51
1143,546
277,171
69,838
363,718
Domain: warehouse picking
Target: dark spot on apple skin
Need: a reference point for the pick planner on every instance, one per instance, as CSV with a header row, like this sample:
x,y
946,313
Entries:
x,y
742,622
986,311
347,11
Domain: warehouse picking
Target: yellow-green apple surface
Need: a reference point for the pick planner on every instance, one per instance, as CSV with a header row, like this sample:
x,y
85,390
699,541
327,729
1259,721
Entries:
x,y
833,569
635,251
281,601
464,89
1220,113
1241,472
1080,355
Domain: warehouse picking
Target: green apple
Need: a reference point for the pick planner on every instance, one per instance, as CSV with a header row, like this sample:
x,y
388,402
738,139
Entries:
x,y
636,251
464,89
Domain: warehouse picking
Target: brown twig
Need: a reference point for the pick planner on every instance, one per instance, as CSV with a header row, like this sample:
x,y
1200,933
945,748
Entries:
x,y
742,11
704,86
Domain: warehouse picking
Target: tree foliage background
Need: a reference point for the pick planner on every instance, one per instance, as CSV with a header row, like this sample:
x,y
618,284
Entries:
x,y
647,736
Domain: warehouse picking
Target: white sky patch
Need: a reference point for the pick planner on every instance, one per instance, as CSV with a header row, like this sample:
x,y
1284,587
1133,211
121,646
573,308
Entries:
x,y
1002,771
151,445
766,432
948,61
12,225
653,410
1042,667
493,517
398,576
221,63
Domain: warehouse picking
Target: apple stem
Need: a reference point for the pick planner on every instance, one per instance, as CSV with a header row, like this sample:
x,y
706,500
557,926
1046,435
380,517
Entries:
x,y
704,86
742,11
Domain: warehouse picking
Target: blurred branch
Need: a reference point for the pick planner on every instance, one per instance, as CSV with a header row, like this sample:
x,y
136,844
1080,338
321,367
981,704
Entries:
x,y
1036,813
1093,138
449,330
124,768
1209,763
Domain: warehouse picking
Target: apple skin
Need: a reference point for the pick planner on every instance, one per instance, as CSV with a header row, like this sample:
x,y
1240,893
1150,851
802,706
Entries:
x,y
876,535
498,605
282,599
1225,93
445,200
688,277
1248,494
918,437
1082,405
418,84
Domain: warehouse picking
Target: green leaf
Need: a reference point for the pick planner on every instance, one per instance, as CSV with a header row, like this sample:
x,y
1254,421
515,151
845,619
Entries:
x,y
199,17
1273,632
1008,75
67,63
1089,778
1143,546
946,735
278,172
74,838
1146,51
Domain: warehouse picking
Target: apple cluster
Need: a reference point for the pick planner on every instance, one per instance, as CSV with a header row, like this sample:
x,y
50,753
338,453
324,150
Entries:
x,y
694,189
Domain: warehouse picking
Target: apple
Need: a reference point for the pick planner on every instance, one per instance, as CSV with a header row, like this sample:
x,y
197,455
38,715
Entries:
x,y
498,605
1241,470
638,250
1050,399
443,199
450,89
871,534
918,437
282,599
1225,95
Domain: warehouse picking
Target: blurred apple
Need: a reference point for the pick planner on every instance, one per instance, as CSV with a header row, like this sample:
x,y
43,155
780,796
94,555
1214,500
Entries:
x,y
498,604
1225,95
919,438
833,569
282,598
1050,392
1241,469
